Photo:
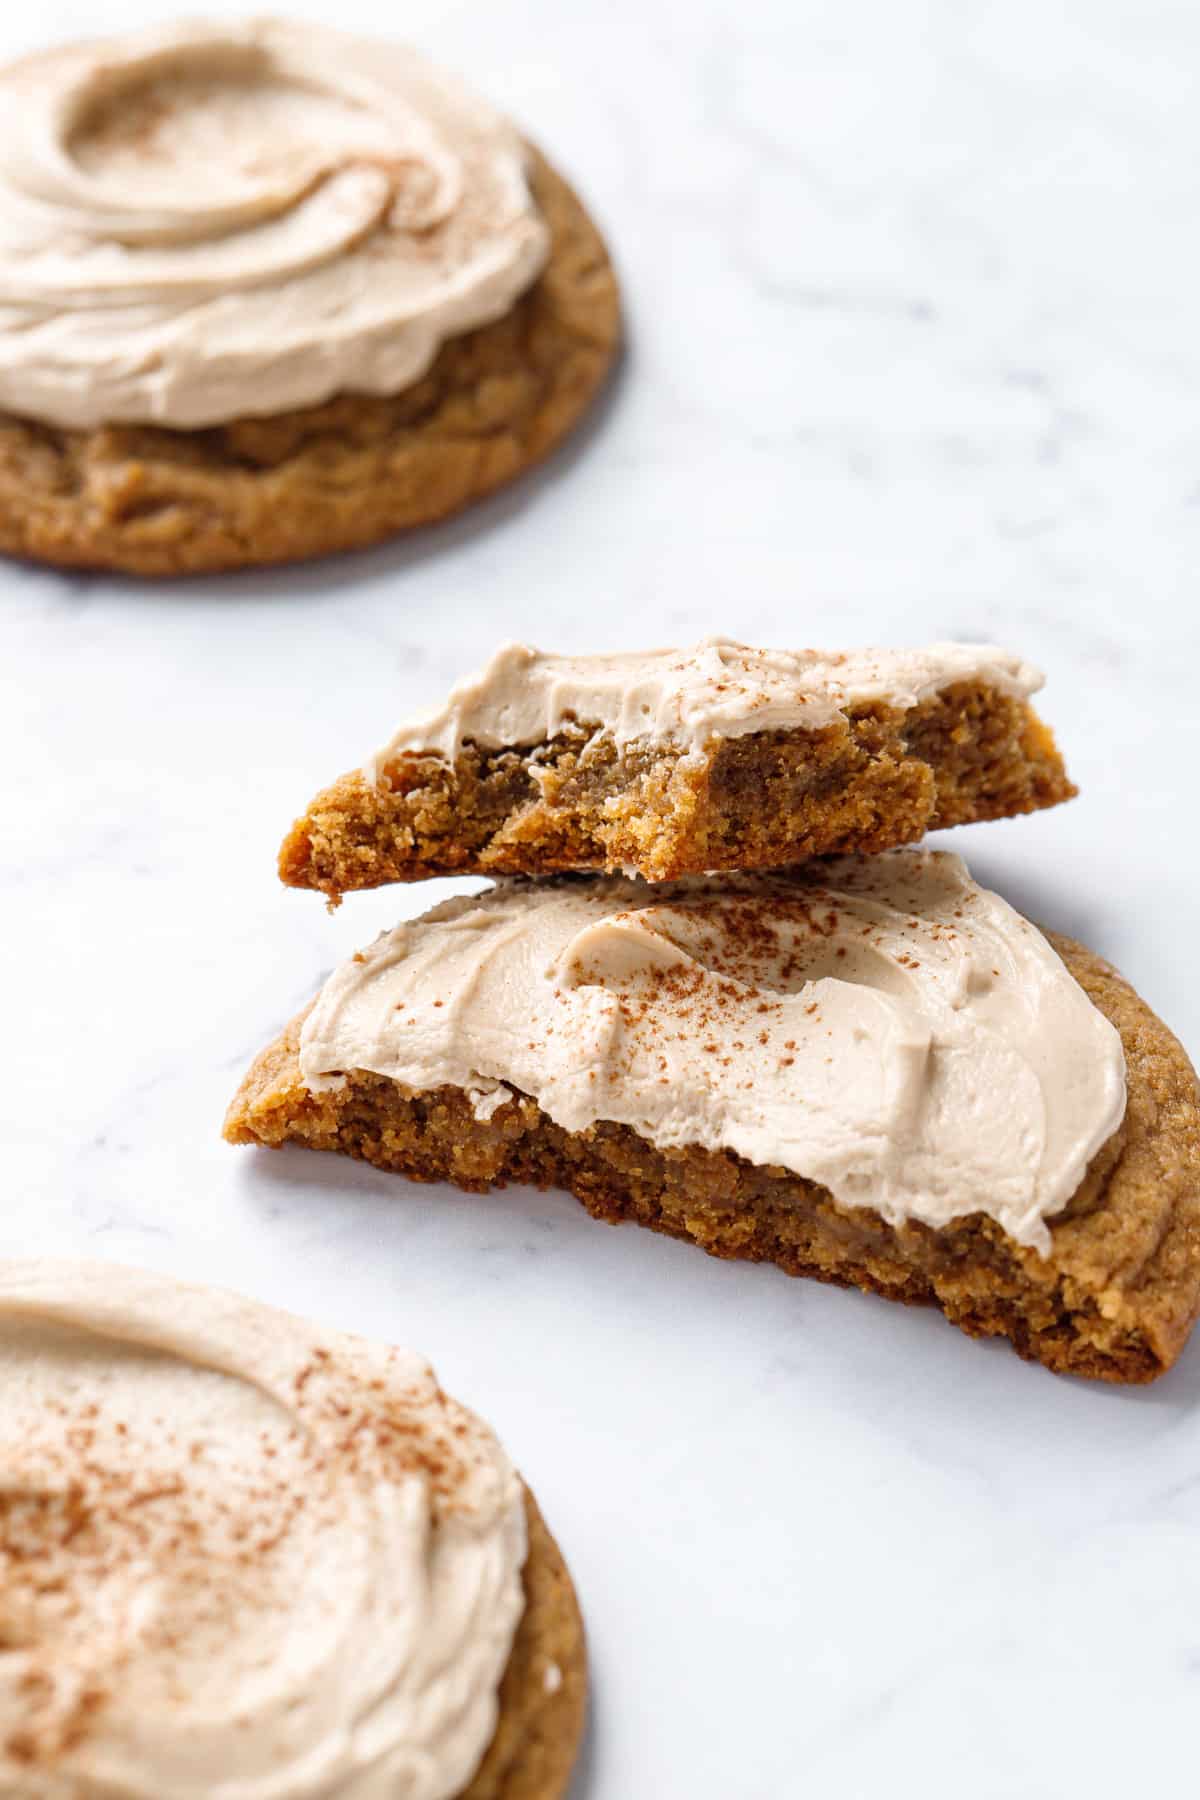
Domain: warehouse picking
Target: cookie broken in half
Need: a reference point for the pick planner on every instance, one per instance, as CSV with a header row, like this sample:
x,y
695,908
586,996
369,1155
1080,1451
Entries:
x,y
680,761
871,1071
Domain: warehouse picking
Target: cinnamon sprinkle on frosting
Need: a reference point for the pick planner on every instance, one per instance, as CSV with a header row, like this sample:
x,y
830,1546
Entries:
x,y
786,1017
236,1550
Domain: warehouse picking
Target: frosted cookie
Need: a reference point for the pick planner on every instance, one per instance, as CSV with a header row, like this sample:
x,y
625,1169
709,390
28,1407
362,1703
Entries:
x,y
270,290
872,1071
678,761
244,1556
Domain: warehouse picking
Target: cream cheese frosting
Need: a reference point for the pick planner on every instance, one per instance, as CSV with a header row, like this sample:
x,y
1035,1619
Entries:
x,y
714,689
207,220
241,1557
880,1025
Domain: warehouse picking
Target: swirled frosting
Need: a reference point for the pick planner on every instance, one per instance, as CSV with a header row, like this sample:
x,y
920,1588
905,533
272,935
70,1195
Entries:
x,y
716,688
203,221
880,1024
241,1558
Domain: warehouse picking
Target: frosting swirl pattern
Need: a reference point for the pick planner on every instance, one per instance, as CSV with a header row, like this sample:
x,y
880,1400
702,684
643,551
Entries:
x,y
241,1558
879,1024
205,221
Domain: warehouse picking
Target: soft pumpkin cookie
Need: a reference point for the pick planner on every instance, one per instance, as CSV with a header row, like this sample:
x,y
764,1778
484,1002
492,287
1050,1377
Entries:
x,y
243,1551
872,1072
669,763
371,306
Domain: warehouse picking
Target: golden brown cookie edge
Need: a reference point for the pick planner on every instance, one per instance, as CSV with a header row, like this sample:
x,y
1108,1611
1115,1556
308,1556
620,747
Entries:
x,y
537,1737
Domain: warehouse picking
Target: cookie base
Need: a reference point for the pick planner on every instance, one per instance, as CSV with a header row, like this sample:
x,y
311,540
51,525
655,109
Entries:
x,y
1115,1300
543,1695
339,476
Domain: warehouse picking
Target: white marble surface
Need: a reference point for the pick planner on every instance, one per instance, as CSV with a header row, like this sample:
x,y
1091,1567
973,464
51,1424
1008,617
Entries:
x,y
912,292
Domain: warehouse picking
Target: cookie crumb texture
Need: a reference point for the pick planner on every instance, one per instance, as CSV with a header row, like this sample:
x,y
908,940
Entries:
x,y
334,477
1115,1300
876,779
541,1720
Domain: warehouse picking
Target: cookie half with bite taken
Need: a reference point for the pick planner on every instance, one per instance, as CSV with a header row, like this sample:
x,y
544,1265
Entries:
x,y
244,1553
272,290
673,762
871,1071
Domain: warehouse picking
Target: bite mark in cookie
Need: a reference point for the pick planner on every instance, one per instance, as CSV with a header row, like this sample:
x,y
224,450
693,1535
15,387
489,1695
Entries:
x,y
675,762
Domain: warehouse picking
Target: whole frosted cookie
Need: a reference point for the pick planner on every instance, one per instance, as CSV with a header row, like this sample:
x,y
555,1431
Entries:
x,y
269,290
245,1558
868,1070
